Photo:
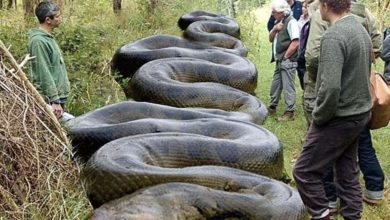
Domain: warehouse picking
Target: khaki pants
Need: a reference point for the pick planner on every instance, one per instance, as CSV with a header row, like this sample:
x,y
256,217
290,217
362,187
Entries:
x,y
284,80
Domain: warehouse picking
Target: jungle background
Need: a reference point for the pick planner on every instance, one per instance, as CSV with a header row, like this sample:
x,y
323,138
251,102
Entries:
x,y
92,30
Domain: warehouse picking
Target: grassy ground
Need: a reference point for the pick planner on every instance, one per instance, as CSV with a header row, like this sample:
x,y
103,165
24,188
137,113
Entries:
x,y
292,133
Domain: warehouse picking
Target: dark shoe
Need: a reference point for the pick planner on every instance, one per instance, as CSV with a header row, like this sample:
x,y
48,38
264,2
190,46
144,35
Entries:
x,y
287,116
271,110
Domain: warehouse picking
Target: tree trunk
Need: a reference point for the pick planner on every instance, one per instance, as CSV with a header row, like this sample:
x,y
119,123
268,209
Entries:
x,y
117,6
28,6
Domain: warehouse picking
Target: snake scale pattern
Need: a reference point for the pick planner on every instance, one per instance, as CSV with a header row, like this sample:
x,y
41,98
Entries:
x,y
190,145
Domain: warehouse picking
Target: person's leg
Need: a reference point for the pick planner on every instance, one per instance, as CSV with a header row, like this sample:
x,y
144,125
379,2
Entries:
x,y
301,72
308,173
287,72
322,147
276,87
371,169
347,172
347,183
330,189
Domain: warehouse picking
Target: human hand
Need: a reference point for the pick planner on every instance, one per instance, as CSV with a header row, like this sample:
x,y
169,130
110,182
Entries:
x,y
57,110
279,26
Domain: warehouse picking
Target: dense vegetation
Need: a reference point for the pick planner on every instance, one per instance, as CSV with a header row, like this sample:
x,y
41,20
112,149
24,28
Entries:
x,y
91,32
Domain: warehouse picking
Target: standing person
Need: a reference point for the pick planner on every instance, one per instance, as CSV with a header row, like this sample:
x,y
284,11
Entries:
x,y
341,111
285,42
386,58
304,26
369,165
296,8
48,72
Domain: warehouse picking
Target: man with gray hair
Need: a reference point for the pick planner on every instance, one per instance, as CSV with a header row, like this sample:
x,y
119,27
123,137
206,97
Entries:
x,y
285,42
47,71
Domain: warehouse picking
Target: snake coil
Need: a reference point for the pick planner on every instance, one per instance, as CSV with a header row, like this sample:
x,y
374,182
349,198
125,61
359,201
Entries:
x,y
156,161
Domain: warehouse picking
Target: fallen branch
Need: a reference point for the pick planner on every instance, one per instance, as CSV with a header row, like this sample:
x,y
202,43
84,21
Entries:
x,y
19,73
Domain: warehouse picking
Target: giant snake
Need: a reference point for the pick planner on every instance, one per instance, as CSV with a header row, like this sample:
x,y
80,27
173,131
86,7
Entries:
x,y
171,155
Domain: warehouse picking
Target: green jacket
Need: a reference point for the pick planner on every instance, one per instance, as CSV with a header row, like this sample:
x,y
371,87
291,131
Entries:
x,y
47,70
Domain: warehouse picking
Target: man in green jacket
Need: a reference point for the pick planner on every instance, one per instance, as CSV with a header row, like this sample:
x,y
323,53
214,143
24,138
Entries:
x,y
47,71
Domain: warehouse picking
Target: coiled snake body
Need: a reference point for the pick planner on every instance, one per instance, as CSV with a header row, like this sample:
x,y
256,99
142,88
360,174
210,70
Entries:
x,y
165,150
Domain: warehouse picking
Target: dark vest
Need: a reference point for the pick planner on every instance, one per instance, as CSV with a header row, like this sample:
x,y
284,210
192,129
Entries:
x,y
283,41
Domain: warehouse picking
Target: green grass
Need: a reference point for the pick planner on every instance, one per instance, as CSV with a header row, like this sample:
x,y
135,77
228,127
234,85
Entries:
x,y
291,134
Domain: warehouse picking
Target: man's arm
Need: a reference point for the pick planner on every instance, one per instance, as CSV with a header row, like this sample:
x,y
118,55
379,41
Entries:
x,y
293,32
292,48
375,34
329,81
317,28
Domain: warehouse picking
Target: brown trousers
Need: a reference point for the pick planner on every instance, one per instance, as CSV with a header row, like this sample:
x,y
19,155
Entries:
x,y
333,143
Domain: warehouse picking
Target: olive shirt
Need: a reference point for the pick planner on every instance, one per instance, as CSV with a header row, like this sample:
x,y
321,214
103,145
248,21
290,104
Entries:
x,y
47,71
343,86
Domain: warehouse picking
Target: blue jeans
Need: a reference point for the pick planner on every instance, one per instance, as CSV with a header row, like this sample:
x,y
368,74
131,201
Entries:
x,y
369,165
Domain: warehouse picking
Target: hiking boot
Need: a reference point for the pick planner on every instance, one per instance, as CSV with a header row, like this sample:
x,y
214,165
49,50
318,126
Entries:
x,y
271,110
287,116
